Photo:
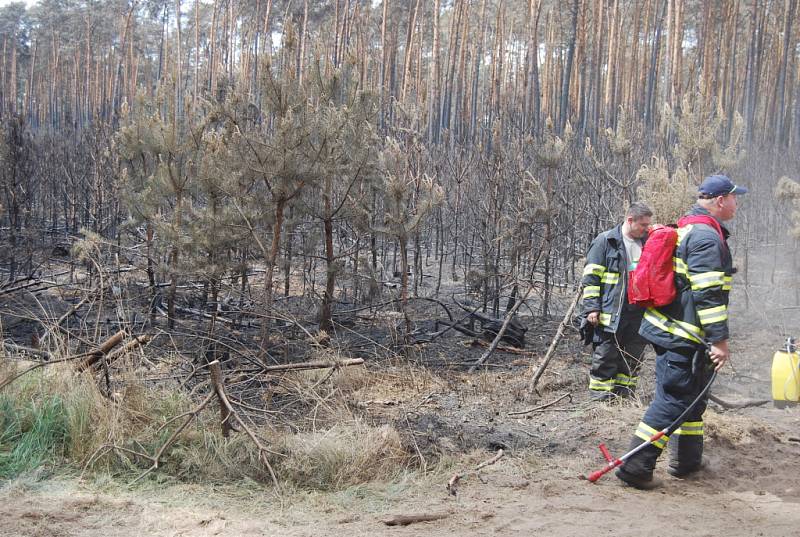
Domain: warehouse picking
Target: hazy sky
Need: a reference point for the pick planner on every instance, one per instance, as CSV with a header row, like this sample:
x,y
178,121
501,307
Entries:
x,y
6,2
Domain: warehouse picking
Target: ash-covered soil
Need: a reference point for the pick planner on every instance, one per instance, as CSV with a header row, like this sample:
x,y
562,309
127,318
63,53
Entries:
x,y
451,420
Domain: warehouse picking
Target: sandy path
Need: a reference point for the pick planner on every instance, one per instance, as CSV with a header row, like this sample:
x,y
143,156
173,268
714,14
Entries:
x,y
759,500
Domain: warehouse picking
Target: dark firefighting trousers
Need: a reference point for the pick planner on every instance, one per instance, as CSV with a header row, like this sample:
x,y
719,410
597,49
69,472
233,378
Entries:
x,y
617,358
677,386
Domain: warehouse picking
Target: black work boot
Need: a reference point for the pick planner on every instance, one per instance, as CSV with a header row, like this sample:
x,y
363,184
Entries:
x,y
641,482
686,455
625,392
638,470
676,470
597,395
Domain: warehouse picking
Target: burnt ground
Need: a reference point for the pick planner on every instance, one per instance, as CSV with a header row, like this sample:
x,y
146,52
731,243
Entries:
x,y
752,486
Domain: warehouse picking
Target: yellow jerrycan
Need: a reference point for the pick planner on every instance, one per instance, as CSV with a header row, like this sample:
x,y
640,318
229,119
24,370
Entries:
x,y
786,375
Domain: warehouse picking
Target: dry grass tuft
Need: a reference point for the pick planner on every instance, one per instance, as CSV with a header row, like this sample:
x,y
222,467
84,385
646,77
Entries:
x,y
342,456
55,416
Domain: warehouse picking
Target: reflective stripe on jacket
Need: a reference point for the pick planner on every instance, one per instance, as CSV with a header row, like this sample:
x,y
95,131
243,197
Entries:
x,y
605,279
703,277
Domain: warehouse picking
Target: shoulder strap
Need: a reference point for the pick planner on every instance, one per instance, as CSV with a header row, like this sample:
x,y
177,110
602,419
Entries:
x,y
703,219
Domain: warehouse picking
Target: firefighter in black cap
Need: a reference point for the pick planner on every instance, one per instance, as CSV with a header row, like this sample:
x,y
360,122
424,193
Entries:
x,y
682,331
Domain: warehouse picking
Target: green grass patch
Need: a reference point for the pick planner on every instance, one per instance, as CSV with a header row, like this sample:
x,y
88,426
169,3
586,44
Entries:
x,y
55,418
32,434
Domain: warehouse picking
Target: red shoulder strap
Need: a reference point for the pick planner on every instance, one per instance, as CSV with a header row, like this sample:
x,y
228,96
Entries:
x,y
703,219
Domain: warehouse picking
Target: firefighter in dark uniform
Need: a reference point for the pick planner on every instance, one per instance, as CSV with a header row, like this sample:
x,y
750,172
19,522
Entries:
x,y
680,333
618,347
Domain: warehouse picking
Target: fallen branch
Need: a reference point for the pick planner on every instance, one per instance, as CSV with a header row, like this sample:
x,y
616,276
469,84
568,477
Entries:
x,y
72,310
57,325
447,328
553,344
405,520
320,364
205,315
129,346
540,407
28,285
464,330
216,381
102,350
510,315
219,390
453,483
13,347
157,457
729,405
137,341
491,461
503,348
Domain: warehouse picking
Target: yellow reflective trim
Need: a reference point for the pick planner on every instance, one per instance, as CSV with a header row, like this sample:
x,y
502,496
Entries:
x,y
591,291
645,432
601,385
706,279
726,283
610,278
716,319
625,380
696,330
683,231
713,315
710,275
706,285
605,319
593,269
673,326
690,428
646,429
679,266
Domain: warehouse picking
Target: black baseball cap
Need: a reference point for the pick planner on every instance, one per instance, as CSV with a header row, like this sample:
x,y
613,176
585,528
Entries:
x,y
719,185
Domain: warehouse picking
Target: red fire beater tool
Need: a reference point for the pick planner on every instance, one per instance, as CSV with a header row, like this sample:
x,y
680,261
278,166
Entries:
x,y
613,463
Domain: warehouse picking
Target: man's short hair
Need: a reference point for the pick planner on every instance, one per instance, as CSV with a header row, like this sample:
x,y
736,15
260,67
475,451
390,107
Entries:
x,y
638,210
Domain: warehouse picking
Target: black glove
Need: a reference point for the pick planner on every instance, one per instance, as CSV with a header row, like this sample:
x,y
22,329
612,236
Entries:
x,y
587,331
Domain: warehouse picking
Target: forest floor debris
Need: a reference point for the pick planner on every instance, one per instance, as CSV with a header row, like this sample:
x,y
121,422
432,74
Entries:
x,y
351,443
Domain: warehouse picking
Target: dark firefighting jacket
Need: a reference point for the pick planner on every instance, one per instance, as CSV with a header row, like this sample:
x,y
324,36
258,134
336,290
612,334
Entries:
x,y
605,280
703,276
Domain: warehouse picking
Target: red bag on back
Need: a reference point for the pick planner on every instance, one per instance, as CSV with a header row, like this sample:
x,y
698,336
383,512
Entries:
x,y
652,282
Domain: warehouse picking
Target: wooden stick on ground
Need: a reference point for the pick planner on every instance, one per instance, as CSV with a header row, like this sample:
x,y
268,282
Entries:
x,y
322,364
553,344
72,310
504,348
405,520
137,341
453,483
540,407
129,346
102,350
738,404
